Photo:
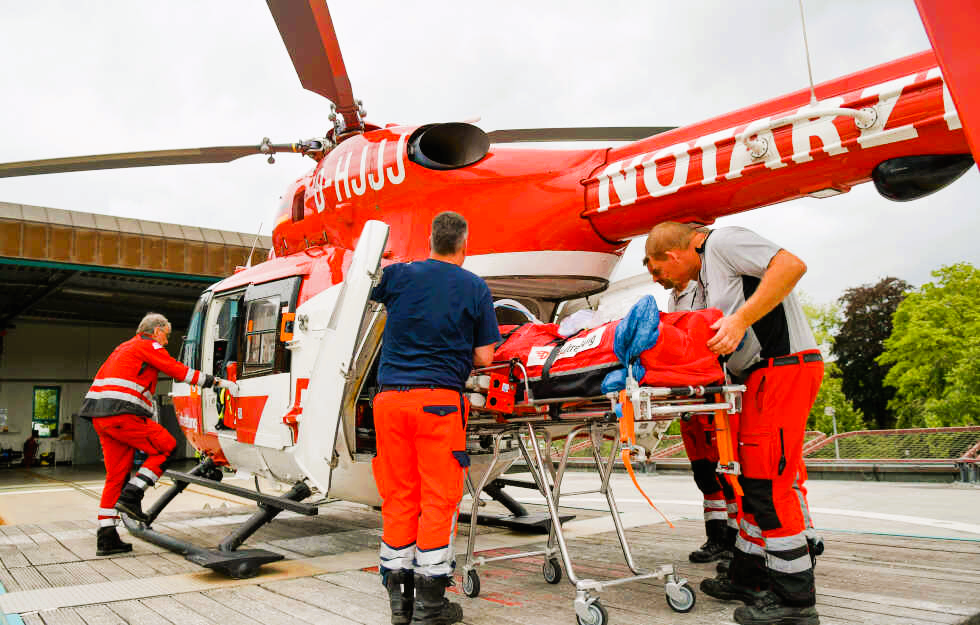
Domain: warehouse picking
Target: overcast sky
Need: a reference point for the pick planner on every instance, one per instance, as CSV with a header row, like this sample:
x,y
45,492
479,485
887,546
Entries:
x,y
108,76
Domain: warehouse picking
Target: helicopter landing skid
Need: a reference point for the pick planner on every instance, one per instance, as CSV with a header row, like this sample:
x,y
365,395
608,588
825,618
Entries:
x,y
226,559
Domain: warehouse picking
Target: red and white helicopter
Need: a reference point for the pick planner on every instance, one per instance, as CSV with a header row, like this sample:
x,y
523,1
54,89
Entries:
x,y
298,333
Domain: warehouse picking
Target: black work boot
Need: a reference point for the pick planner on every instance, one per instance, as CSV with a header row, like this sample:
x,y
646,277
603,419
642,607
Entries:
x,y
715,548
750,571
431,605
107,542
770,610
731,533
723,565
721,587
401,593
130,501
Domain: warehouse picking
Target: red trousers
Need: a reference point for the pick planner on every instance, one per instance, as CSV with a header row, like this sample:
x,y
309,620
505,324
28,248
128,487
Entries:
x,y
421,435
775,408
120,436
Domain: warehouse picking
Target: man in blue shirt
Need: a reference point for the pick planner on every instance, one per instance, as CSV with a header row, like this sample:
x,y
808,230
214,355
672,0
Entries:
x,y
440,325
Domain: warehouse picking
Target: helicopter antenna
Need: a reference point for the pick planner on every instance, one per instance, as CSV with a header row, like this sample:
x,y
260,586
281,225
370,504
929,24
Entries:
x,y
248,263
806,47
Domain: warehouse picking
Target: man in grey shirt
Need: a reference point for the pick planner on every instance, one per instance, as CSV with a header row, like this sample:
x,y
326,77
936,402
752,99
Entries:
x,y
773,352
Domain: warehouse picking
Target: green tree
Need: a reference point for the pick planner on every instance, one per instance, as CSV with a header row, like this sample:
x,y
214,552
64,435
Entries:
x,y
933,351
867,322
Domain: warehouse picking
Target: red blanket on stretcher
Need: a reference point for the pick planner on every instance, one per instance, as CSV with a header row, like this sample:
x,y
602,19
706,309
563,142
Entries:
x,y
560,367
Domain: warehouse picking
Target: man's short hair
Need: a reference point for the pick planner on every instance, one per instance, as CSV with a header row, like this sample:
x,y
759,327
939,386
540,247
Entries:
x,y
448,233
151,322
666,236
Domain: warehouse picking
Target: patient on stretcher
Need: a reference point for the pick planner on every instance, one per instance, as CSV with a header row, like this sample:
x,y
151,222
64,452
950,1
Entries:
x,y
663,349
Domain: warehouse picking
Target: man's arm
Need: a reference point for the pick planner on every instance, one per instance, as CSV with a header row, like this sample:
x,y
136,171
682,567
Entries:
x,y
782,274
157,356
483,355
486,331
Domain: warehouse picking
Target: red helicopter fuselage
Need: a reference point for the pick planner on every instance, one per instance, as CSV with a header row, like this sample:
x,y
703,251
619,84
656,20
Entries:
x,y
521,200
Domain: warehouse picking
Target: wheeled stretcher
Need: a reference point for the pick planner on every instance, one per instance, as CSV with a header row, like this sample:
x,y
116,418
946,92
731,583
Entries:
x,y
533,425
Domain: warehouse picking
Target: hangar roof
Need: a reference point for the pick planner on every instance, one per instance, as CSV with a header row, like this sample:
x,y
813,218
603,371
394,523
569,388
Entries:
x,y
69,266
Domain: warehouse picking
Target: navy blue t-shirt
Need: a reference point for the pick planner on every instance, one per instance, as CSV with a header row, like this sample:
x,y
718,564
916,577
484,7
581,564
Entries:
x,y
438,313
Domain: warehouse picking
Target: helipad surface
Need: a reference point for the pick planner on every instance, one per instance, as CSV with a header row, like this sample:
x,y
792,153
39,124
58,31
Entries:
x,y
879,568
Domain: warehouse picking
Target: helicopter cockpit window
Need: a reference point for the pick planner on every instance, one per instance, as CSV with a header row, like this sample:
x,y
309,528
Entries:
x,y
260,334
190,350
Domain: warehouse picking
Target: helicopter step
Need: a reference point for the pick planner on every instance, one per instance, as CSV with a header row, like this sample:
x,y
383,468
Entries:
x,y
519,519
226,559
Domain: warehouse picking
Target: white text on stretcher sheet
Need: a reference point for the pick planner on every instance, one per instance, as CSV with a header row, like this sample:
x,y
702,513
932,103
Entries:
x,y
538,355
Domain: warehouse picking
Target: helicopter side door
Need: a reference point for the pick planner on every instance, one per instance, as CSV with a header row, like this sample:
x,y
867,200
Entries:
x,y
333,329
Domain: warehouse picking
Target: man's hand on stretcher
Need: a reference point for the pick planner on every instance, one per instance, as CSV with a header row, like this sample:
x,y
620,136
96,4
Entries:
x,y
731,330
483,355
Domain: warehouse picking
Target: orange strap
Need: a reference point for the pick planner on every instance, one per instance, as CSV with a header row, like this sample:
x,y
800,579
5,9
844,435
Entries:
x,y
723,439
627,437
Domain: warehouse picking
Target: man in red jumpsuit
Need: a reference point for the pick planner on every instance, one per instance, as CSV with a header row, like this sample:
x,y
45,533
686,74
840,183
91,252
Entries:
x,y
773,352
440,324
120,406
699,437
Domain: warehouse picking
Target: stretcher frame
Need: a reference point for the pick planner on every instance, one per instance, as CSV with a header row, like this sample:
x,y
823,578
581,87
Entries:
x,y
658,406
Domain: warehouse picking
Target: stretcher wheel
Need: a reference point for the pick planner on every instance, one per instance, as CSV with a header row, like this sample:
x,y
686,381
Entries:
x,y
551,571
597,615
685,601
471,584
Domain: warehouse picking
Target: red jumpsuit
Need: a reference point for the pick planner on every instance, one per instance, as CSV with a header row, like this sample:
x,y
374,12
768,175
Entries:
x,y
120,406
700,443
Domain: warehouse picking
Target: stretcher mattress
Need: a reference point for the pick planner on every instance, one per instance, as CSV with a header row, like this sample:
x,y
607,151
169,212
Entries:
x,y
576,366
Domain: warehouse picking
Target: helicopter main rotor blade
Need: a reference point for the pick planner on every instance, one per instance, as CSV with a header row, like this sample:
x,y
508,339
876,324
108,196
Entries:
x,y
307,30
122,160
608,133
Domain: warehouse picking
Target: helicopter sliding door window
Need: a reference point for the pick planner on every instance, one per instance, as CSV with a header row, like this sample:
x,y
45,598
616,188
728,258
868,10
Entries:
x,y
260,337
190,349
264,351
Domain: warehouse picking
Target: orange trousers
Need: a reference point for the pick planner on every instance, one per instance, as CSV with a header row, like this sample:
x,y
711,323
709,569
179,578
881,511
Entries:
x,y
419,469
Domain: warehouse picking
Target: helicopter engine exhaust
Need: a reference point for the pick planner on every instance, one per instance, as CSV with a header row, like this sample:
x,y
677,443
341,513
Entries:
x,y
447,146
910,177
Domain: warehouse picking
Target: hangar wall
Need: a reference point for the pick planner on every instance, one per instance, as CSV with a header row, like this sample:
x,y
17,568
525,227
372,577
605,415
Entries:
x,y
66,356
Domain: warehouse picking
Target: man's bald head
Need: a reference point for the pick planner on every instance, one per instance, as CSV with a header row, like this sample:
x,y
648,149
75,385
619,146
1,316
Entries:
x,y
667,236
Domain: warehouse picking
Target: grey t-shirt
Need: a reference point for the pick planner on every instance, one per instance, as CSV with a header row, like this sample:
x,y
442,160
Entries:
x,y
732,265
690,298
